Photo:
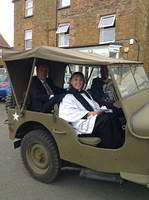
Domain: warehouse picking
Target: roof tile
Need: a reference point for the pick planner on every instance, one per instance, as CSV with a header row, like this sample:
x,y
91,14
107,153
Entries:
x,y
3,43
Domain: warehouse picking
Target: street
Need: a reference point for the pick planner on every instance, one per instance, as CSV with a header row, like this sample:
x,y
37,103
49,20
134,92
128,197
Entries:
x,y
16,183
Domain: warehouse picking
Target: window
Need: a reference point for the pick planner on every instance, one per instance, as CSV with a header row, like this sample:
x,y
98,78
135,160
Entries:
x,y
63,33
28,39
65,3
112,54
107,21
28,8
114,51
107,29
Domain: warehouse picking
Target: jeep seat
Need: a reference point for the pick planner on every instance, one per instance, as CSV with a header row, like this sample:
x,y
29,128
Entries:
x,y
92,141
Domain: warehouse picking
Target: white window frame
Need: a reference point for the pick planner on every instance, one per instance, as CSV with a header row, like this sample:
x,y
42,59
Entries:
x,y
64,3
103,18
63,40
28,39
102,41
114,49
28,8
107,27
63,35
63,28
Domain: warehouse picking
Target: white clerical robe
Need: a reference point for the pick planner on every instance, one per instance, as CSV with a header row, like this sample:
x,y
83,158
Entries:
x,y
73,111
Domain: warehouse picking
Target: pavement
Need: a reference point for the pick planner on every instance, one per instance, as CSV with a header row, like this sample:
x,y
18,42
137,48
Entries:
x,y
16,183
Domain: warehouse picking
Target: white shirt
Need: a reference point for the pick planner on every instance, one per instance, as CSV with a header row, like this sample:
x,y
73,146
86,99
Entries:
x,y
73,111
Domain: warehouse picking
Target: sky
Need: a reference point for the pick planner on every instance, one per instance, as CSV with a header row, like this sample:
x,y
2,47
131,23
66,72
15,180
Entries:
x,y
7,20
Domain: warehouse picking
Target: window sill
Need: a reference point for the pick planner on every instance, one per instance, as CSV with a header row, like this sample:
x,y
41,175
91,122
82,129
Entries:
x,y
25,17
27,48
108,42
61,8
13,1
63,46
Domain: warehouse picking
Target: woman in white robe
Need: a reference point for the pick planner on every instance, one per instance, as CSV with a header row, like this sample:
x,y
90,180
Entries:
x,y
88,120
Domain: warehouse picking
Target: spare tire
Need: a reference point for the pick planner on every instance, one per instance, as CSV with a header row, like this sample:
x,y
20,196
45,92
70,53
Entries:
x,y
9,102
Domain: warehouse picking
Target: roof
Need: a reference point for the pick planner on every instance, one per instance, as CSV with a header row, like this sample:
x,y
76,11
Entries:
x,y
61,55
20,66
3,42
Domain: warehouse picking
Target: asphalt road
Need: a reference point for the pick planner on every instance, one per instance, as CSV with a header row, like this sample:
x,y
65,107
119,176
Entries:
x,y
16,183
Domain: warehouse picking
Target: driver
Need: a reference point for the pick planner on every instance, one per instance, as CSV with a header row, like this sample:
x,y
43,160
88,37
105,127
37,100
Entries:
x,y
42,89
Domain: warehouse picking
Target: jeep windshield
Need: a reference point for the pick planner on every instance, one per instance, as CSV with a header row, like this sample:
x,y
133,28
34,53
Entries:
x,y
130,79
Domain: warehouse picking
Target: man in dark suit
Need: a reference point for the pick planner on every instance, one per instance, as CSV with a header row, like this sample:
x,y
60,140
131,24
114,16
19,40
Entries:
x,y
102,94
42,90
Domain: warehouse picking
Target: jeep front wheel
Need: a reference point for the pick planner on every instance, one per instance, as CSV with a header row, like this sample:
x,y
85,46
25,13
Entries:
x,y
40,155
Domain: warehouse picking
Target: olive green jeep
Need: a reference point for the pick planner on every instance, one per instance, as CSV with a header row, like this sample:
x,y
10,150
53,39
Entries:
x,y
48,143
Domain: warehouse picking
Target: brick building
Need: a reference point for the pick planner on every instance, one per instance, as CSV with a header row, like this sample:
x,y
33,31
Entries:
x,y
3,45
116,28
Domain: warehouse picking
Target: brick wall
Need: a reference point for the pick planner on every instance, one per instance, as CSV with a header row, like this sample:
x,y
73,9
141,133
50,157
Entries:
x,y
142,31
1,62
84,17
43,20
132,20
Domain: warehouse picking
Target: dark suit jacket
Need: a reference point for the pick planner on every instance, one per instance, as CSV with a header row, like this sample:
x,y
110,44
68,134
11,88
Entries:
x,y
38,94
100,97
98,93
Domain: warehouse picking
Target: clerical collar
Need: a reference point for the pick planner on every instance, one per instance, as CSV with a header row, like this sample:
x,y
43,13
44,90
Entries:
x,y
81,91
74,89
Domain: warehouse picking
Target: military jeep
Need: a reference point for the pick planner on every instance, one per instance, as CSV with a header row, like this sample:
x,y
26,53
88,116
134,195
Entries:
x,y
48,143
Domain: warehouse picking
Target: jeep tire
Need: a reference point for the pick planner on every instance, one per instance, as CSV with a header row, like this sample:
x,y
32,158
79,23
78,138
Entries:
x,y
40,155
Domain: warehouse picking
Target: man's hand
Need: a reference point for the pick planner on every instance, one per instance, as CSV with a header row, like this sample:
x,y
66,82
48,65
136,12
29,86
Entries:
x,y
117,104
93,113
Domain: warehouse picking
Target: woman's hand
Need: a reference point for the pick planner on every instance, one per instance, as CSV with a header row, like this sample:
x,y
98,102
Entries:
x,y
93,113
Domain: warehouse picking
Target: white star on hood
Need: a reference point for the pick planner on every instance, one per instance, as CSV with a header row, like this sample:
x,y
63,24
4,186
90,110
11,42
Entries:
x,y
15,116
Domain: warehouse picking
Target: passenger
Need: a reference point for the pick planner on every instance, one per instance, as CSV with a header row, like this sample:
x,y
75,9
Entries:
x,y
87,117
43,90
102,94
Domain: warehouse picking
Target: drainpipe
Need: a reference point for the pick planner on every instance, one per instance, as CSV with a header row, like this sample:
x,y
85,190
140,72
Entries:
x,y
131,42
138,55
47,30
56,23
52,29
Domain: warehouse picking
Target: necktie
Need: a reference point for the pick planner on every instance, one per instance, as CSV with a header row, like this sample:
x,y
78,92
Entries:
x,y
48,89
